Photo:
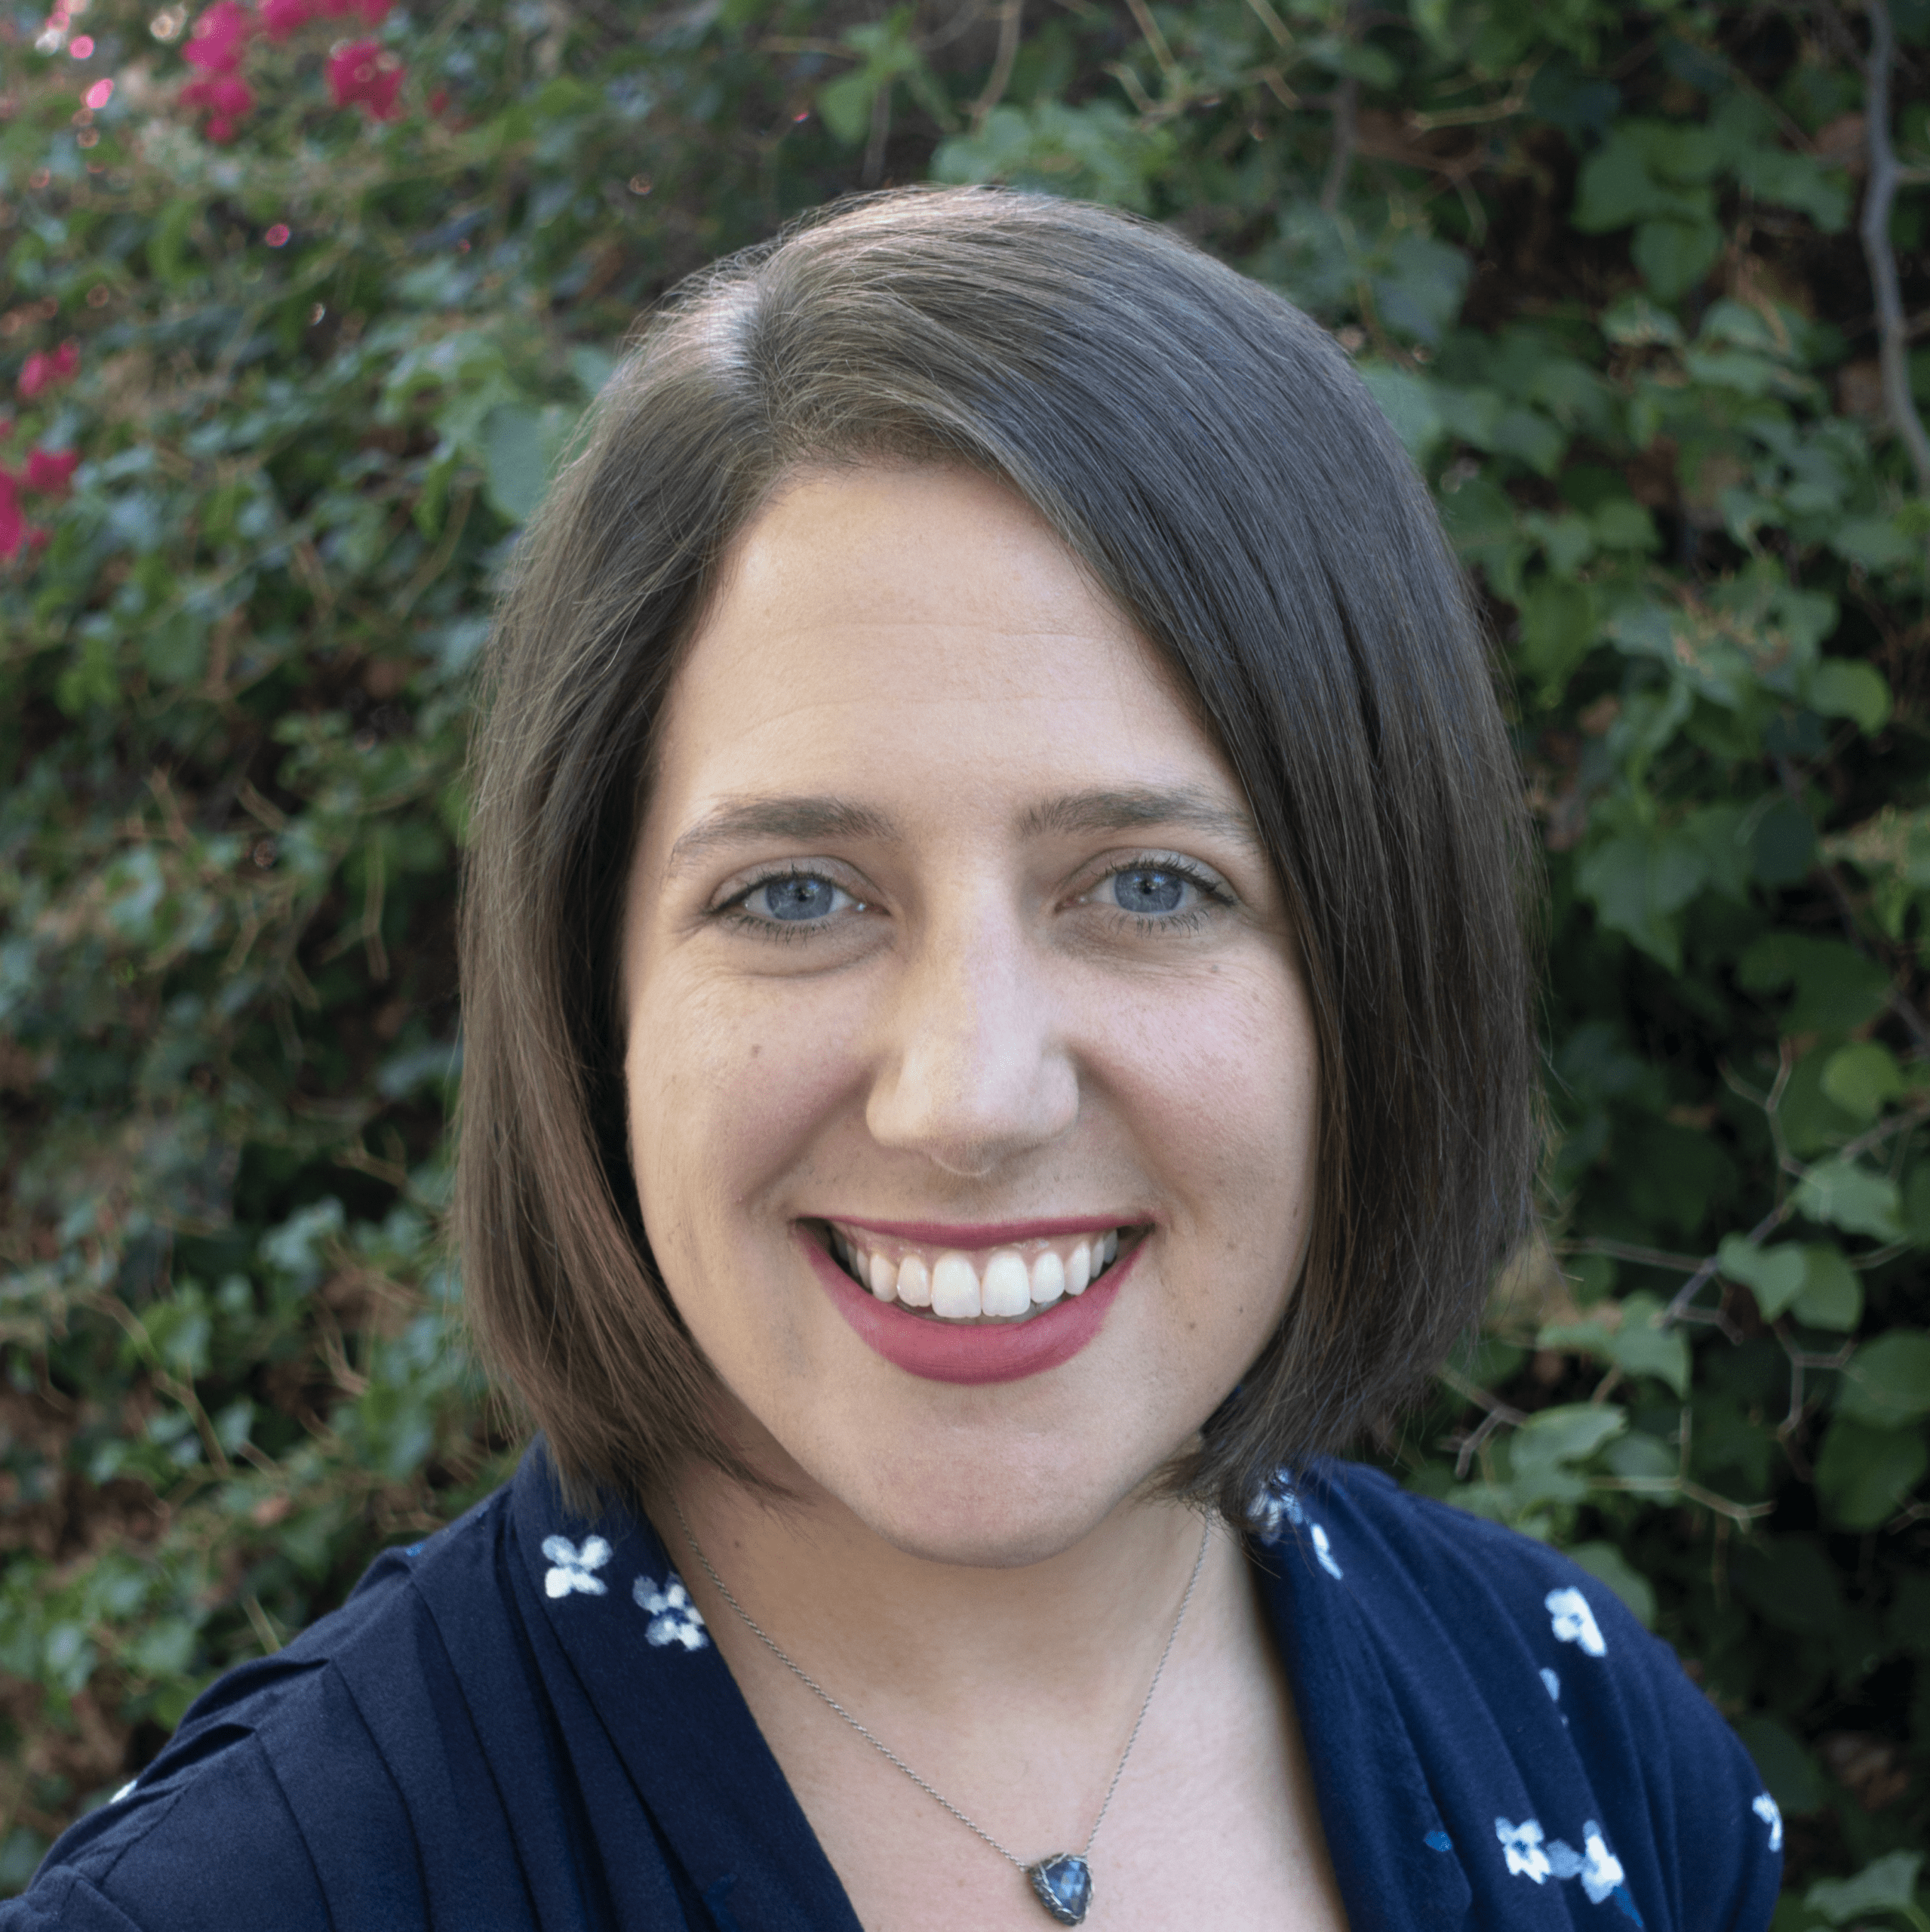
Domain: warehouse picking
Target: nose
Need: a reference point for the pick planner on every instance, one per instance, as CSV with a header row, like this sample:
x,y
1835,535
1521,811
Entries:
x,y
973,1069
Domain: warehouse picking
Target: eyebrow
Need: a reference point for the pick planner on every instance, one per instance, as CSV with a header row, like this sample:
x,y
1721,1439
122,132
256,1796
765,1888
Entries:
x,y
1122,810
746,819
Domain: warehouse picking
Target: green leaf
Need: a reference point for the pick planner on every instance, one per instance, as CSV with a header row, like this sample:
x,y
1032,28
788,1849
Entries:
x,y
1791,1775
1889,1884
1783,846
519,445
1874,543
1635,322
1607,1564
1846,687
1407,401
1851,1198
845,104
1571,1433
1863,1474
1774,1276
1836,987
1673,255
1558,626
1863,1078
1639,884
1888,1381
1831,1293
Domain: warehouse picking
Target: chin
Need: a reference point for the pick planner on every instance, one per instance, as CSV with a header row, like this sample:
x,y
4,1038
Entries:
x,y
963,1501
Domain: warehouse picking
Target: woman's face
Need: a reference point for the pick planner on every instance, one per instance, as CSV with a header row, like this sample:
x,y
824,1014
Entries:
x,y
954,966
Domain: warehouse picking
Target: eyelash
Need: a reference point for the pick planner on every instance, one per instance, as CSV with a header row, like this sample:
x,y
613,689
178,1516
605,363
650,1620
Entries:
x,y
733,912
784,932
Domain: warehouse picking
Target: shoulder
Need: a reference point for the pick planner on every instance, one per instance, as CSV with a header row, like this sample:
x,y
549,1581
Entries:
x,y
1526,1680
279,1765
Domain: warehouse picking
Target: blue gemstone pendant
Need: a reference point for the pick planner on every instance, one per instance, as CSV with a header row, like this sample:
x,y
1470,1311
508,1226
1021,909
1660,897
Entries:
x,y
1064,1883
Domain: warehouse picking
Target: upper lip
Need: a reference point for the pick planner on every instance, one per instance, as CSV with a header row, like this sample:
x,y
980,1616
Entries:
x,y
988,1234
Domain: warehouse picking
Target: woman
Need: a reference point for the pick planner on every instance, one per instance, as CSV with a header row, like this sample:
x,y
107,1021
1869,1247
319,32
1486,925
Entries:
x,y
997,1037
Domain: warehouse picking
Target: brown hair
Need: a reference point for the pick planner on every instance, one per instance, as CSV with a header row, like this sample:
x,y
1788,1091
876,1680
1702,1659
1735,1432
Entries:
x,y
1210,455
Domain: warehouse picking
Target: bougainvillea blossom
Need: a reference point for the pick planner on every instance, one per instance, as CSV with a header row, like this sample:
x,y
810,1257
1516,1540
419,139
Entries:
x,y
281,18
219,37
13,524
362,74
227,98
44,369
51,473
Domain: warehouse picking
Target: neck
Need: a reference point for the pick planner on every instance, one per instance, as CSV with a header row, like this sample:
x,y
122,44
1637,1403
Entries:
x,y
1078,1628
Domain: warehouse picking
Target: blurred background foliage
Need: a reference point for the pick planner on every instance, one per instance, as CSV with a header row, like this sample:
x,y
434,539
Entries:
x,y
299,302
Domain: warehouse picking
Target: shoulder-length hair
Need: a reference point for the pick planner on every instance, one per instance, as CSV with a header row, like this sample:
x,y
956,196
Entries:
x,y
1207,454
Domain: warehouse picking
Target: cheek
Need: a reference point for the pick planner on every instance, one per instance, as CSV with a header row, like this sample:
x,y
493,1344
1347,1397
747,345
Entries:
x,y
1227,1078
726,1087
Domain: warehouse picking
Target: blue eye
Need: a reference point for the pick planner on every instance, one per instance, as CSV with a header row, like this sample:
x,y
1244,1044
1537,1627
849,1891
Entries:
x,y
796,898
1149,890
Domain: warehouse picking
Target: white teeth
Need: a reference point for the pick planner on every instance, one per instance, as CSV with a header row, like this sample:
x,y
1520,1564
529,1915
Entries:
x,y
1078,1269
1014,1282
1008,1288
955,1288
1048,1282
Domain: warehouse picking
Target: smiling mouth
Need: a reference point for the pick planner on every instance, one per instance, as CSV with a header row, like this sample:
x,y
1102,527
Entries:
x,y
990,1287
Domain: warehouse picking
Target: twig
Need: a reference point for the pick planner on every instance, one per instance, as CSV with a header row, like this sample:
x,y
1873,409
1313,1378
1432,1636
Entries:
x,y
1622,1250
1875,231
1679,1308
1150,28
1736,1512
873,171
1274,24
1346,120
1011,13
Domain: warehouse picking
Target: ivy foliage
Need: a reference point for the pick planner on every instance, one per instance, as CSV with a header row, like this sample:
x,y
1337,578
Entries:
x,y
292,352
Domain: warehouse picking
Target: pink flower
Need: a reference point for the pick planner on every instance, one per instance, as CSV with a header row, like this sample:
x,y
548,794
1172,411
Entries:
x,y
98,96
219,38
45,370
280,19
362,74
13,525
50,472
227,98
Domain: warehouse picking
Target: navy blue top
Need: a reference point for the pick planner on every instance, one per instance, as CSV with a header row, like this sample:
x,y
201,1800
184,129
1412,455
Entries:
x,y
521,1723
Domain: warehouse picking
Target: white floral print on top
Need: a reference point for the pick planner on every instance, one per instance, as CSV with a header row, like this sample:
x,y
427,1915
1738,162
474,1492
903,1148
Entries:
x,y
1574,1621
1766,1808
1534,1856
1277,1505
674,1618
570,1568
1521,1845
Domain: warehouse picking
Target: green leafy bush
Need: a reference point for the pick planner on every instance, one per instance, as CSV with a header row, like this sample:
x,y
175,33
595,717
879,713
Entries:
x,y
298,306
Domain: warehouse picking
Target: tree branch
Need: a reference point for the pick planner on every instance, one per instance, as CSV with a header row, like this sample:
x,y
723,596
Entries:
x,y
1011,14
1874,229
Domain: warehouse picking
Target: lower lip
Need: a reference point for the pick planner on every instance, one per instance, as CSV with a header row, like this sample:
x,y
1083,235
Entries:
x,y
970,1352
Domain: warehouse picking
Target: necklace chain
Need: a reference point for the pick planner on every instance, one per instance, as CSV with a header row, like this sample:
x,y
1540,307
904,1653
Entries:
x,y
884,1750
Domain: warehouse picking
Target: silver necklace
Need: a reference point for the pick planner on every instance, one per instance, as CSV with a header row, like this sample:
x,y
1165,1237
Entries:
x,y
1062,1880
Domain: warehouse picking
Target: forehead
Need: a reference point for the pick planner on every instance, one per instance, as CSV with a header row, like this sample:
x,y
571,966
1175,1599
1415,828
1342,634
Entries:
x,y
875,623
